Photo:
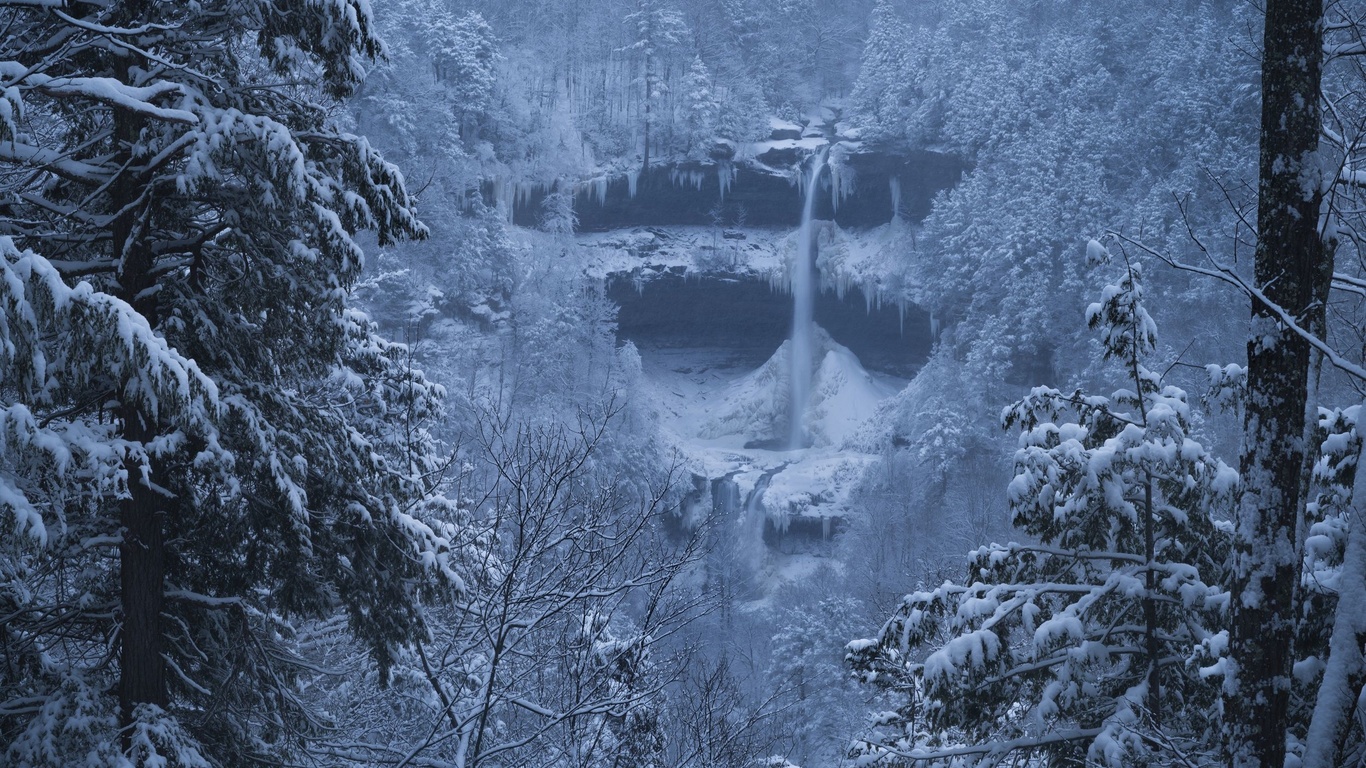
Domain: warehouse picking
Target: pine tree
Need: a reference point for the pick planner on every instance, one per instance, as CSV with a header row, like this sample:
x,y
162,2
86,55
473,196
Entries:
x,y
886,84
1084,645
465,60
655,29
808,664
703,109
244,451
1330,671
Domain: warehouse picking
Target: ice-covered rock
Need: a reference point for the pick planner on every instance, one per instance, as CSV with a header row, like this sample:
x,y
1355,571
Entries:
x,y
780,129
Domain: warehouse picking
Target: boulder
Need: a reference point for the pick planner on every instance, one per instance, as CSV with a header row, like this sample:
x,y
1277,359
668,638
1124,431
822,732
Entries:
x,y
782,130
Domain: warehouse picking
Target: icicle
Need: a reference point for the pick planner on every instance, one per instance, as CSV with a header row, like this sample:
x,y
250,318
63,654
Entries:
x,y
835,189
842,283
934,327
894,184
725,175
679,178
503,192
780,282
632,183
594,188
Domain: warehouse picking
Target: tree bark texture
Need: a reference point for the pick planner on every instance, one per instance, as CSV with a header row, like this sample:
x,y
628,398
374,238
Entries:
x,y
1289,261
142,572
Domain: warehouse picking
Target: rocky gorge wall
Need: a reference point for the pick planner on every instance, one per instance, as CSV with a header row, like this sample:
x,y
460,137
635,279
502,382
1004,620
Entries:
x,y
753,185
743,314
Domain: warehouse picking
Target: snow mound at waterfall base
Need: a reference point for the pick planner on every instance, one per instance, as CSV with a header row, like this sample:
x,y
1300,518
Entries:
x,y
691,391
843,396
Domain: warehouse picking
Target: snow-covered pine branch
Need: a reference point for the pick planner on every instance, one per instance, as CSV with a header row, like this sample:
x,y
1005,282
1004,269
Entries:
x,y
208,399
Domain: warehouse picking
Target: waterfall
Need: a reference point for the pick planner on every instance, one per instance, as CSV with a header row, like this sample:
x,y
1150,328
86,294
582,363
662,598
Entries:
x,y
803,312
725,498
750,534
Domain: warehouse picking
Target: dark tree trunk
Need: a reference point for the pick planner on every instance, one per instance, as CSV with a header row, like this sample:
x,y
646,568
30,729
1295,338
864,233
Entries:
x,y
649,96
1150,602
1289,261
142,571
142,557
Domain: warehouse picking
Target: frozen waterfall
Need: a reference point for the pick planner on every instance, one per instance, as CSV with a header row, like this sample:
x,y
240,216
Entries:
x,y
803,311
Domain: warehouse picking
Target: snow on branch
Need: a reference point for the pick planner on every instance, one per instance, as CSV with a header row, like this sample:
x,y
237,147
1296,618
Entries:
x,y
1337,50
59,345
1221,272
994,751
54,162
113,93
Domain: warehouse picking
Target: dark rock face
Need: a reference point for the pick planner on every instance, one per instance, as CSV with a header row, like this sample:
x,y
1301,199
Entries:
x,y
692,195
755,193
919,175
744,315
804,534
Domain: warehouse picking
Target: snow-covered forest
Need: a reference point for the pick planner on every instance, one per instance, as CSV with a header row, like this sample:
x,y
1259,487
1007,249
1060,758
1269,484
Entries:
x,y
682,383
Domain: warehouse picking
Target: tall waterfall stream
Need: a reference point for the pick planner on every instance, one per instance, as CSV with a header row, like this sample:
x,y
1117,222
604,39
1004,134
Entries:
x,y
803,310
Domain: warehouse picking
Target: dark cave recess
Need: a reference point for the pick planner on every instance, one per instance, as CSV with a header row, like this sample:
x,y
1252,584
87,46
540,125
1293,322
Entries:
x,y
745,315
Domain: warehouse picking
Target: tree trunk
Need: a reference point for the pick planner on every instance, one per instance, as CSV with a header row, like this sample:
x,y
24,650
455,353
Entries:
x,y
142,560
649,96
143,568
1150,601
1289,258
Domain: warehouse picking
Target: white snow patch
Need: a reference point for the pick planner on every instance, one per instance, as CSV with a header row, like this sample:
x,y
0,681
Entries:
x,y
843,396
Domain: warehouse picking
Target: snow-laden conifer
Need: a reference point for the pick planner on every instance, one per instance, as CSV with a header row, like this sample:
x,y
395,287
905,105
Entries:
x,y
205,445
1084,642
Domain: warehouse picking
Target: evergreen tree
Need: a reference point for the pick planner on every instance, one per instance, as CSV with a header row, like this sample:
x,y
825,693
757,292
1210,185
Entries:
x,y
816,688
703,109
245,451
1330,671
655,29
465,60
886,85
1085,645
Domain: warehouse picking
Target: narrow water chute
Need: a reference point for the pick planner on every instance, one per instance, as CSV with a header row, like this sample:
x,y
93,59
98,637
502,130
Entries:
x,y
803,310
